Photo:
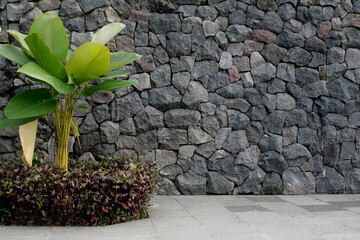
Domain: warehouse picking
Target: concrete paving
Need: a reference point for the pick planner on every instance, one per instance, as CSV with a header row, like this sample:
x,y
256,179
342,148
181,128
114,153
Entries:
x,y
311,217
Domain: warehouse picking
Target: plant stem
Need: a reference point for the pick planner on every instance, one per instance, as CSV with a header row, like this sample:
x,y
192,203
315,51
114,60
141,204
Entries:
x,y
62,121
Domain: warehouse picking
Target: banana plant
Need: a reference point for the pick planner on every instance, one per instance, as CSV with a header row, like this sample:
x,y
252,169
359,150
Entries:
x,y
46,59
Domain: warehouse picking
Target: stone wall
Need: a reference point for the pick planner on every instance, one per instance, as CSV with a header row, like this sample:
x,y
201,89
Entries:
x,y
233,96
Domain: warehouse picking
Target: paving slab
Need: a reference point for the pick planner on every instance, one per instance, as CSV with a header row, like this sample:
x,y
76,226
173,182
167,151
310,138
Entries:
x,y
245,217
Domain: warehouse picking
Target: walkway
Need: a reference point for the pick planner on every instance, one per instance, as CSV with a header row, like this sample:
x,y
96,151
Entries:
x,y
315,217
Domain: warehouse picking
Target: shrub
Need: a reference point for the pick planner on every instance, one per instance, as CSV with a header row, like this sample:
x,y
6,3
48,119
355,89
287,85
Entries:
x,y
90,193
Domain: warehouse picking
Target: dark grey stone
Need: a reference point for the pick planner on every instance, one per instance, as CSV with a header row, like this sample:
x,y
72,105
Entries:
x,y
171,139
330,181
298,55
109,132
127,127
87,5
238,33
165,98
122,8
237,17
206,12
352,181
325,105
220,161
234,90
306,75
205,69
263,73
89,124
149,118
160,55
272,184
236,142
296,154
181,118
198,136
126,106
69,8
272,161
289,39
272,22
103,150
197,38
273,53
331,154
297,182
142,145
206,149
178,44
252,184
165,186
163,23
315,90
254,132
237,174
286,12
271,142
351,37
276,86
217,184
237,120
306,136
191,183
334,119
274,122
161,76
296,117
257,113
198,165
194,95
210,125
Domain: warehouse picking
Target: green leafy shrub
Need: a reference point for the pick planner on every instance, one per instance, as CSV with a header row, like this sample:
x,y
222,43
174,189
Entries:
x,y
90,193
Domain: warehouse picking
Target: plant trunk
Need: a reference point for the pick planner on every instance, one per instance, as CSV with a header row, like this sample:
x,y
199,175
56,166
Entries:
x,y
62,122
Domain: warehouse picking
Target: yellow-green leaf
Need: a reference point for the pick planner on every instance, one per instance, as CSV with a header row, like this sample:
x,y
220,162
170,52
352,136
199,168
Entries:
x,y
120,59
107,86
27,135
14,54
106,33
21,39
51,30
88,62
115,74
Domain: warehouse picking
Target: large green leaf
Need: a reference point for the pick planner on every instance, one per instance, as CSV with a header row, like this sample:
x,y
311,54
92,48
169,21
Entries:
x,y
45,58
120,59
115,74
51,30
107,86
6,122
21,39
31,103
88,62
37,73
106,33
14,54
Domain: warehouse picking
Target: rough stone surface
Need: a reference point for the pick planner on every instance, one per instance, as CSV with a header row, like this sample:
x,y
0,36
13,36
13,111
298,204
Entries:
x,y
297,182
242,96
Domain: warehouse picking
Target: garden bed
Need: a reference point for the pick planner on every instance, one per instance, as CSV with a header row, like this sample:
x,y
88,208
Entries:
x,y
90,193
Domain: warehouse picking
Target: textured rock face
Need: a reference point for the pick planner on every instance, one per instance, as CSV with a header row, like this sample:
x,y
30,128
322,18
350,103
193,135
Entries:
x,y
232,96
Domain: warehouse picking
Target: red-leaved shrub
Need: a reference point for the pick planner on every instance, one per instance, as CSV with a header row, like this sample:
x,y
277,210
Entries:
x,y
90,193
